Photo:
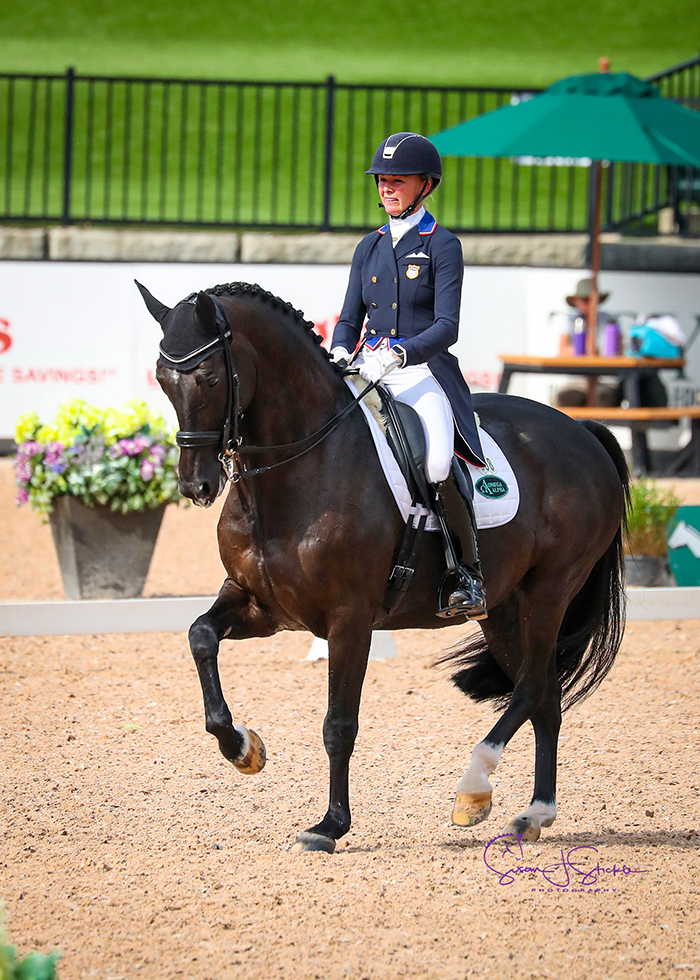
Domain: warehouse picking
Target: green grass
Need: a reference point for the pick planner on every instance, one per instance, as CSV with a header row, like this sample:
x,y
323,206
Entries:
x,y
459,42
493,66
130,164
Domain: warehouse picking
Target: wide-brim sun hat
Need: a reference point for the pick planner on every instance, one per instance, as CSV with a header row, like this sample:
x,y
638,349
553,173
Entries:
x,y
584,290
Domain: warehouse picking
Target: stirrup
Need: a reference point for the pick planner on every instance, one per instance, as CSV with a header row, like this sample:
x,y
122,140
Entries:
x,y
466,598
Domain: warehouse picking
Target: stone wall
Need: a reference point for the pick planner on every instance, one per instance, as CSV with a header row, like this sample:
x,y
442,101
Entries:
x,y
564,251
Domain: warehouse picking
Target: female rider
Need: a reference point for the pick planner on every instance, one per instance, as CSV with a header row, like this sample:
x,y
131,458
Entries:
x,y
406,279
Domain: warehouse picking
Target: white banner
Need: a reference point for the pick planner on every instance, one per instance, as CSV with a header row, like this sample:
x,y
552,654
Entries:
x,y
74,329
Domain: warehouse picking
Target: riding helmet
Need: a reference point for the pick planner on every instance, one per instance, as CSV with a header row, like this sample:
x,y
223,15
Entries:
x,y
407,153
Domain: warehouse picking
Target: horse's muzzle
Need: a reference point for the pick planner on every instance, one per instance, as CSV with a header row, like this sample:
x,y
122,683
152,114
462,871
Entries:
x,y
203,491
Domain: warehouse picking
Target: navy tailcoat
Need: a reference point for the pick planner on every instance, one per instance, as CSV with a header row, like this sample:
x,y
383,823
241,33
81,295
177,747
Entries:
x,y
412,294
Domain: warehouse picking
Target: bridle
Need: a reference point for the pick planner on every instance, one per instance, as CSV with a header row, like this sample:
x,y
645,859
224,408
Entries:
x,y
228,436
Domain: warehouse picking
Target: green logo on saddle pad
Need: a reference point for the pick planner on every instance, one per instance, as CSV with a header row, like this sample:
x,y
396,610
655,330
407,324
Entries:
x,y
491,486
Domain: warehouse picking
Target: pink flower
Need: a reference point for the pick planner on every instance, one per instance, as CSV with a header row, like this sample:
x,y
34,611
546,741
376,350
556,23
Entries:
x,y
148,470
22,496
28,449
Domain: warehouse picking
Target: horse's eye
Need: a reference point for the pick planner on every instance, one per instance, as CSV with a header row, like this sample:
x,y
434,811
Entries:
x,y
212,380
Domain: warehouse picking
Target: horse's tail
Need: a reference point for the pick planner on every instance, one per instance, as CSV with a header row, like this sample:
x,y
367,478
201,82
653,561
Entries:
x,y
590,633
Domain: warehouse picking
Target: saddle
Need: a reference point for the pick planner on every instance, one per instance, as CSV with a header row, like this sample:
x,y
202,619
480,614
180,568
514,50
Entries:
x,y
406,438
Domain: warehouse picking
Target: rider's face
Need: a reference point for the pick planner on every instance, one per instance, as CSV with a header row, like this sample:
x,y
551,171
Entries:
x,y
399,191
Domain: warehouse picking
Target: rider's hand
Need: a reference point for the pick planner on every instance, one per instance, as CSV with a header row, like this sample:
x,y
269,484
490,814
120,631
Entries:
x,y
340,356
378,363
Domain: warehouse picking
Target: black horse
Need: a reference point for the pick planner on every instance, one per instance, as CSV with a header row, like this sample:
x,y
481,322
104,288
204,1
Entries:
x,y
309,533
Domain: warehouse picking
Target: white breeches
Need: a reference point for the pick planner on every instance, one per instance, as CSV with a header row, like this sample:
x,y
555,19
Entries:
x,y
416,386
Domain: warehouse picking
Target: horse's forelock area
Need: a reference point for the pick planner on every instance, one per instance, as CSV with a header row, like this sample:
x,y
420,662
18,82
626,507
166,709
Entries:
x,y
131,845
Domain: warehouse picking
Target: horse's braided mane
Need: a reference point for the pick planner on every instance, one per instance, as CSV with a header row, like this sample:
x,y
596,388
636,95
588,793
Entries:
x,y
265,296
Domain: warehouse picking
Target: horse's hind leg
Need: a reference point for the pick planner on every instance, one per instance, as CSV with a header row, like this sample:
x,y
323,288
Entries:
x,y
348,651
524,646
228,617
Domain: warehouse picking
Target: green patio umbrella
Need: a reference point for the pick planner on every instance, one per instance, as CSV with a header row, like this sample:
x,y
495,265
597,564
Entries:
x,y
602,116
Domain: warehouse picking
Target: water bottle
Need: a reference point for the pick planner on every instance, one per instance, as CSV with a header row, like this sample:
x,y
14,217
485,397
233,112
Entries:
x,y
579,335
611,339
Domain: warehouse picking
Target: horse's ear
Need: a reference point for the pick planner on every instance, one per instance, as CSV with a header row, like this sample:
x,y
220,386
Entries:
x,y
157,309
205,311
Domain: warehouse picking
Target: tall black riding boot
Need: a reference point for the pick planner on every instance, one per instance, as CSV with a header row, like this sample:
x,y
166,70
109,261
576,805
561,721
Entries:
x,y
462,588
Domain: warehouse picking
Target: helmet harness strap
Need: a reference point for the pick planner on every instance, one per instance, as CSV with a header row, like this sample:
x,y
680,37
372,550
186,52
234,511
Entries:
x,y
423,193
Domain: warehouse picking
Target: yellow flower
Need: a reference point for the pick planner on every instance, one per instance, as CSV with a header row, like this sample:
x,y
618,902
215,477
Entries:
x,y
26,427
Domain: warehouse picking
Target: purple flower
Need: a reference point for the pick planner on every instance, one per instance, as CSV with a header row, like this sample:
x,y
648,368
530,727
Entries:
x,y
158,453
148,470
54,457
125,447
22,496
23,469
28,449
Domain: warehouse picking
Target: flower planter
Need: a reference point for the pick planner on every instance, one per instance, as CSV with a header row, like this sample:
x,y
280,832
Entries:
x,y
103,554
648,571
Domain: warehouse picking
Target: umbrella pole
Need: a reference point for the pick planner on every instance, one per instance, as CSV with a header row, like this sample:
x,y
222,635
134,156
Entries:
x,y
595,257
592,324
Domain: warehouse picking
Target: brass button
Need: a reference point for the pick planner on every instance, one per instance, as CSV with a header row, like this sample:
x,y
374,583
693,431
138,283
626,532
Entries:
x,y
373,331
374,306
393,332
393,306
374,279
395,279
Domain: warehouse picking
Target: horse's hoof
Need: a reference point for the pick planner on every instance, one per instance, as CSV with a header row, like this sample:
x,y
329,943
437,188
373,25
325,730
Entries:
x,y
307,841
523,829
471,808
255,756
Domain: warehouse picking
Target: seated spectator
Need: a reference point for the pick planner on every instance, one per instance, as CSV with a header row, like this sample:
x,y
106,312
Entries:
x,y
581,301
576,391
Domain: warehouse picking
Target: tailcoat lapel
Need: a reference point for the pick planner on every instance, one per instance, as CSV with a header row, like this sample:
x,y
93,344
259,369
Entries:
x,y
411,242
386,250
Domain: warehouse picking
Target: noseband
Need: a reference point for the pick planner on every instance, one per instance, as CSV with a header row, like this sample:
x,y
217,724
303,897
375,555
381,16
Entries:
x,y
228,438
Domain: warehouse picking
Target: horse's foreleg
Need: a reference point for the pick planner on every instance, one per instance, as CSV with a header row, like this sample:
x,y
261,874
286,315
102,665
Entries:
x,y
546,722
348,650
227,617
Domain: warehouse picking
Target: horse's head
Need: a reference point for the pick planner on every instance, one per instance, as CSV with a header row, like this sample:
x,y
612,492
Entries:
x,y
193,373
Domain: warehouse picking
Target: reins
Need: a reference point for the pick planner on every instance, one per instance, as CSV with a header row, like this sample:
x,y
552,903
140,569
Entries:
x,y
229,436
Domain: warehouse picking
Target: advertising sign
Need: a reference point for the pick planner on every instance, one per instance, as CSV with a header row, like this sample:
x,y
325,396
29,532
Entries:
x,y
684,546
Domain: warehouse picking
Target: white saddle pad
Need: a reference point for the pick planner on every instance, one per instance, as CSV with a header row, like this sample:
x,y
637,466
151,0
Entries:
x,y
496,492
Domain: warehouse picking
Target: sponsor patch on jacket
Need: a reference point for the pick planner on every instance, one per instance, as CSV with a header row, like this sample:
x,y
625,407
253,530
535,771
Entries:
x,y
412,271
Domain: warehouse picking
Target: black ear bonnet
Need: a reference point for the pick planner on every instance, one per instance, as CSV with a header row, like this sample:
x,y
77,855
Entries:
x,y
186,340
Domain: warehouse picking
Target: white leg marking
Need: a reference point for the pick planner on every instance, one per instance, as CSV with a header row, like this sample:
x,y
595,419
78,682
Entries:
x,y
483,762
243,732
539,814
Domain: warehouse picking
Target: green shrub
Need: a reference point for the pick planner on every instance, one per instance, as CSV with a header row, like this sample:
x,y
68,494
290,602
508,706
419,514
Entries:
x,y
35,966
651,510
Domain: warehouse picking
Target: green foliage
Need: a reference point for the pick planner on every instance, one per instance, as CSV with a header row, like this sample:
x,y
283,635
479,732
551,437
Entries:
x,y
125,460
35,966
651,510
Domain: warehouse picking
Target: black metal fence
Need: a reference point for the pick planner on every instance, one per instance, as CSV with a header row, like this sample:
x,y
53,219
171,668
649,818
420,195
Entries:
x,y
202,153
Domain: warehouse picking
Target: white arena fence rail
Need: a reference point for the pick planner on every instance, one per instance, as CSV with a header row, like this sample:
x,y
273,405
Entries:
x,y
175,615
